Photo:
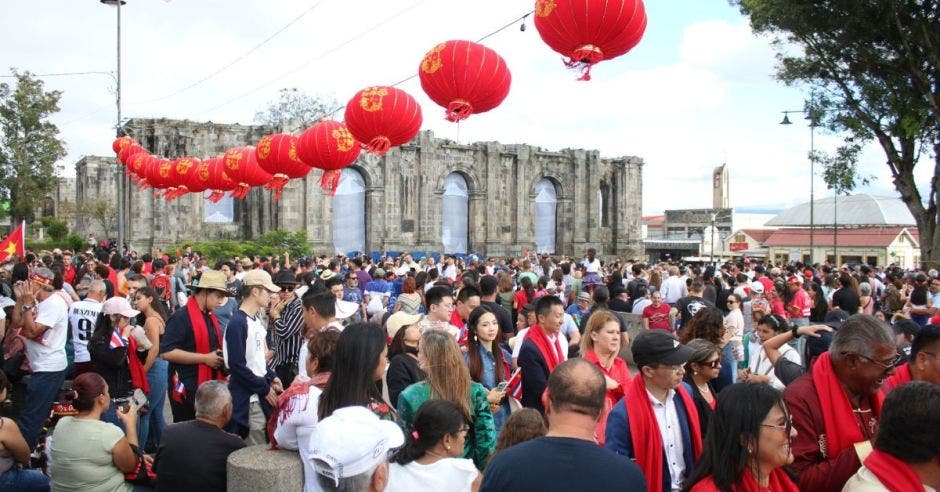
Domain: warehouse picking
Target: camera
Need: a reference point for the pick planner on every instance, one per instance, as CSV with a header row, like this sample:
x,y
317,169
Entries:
x,y
124,404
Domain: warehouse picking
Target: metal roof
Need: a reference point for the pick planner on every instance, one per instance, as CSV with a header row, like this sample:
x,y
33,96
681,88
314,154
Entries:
x,y
852,210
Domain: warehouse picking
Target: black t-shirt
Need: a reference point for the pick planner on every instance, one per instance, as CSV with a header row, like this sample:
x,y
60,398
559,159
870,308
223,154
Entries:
x,y
503,316
617,304
560,464
847,300
688,306
192,456
179,335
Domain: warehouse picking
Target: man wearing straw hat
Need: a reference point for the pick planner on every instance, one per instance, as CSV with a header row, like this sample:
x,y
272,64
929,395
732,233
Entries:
x,y
192,343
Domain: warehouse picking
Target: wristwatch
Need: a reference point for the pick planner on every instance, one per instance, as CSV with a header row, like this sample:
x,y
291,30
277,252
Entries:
x,y
28,308
794,331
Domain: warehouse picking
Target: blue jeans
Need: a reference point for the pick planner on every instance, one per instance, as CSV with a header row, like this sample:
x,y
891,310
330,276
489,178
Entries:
x,y
24,480
151,424
41,392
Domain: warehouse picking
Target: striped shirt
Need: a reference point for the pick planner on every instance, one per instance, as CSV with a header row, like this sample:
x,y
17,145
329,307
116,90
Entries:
x,y
288,334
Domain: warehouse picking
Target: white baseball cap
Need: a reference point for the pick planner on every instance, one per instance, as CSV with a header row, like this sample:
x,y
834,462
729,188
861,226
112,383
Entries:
x,y
119,305
757,287
351,441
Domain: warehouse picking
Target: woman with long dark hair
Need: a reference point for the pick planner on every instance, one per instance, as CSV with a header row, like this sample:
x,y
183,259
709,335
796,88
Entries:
x,y
114,353
358,363
449,379
747,445
403,368
431,458
153,318
487,361
701,369
709,325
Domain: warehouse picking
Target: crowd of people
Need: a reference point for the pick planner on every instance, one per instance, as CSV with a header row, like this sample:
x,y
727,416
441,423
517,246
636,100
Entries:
x,y
407,373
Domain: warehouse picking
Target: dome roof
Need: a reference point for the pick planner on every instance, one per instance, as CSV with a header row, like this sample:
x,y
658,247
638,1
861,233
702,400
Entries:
x,y
851,210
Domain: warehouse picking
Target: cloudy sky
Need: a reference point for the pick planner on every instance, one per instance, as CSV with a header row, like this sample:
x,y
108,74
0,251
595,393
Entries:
x,y
696,92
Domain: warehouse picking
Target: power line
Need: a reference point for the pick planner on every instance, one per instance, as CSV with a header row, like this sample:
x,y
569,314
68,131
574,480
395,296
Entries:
x,y
317,57
236,60
61,74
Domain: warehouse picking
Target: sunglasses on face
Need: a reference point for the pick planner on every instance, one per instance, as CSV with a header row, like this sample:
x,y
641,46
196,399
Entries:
x,y
714,364
287,288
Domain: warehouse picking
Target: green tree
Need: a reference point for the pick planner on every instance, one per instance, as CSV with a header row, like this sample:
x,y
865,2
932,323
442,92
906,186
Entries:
x,y
293,105
29,144
874,67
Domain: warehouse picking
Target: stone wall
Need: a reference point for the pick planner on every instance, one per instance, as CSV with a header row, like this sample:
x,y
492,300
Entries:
x,y
599,199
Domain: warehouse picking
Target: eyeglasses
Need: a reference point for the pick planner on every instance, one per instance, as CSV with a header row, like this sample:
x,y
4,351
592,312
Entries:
x,y
887,366
287,288
785,427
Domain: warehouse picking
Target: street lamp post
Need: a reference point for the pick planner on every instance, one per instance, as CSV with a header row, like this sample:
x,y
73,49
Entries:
x,y
119,131
812,174
711,256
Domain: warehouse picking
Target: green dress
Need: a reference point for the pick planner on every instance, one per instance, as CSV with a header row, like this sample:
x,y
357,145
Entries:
x,y
481,440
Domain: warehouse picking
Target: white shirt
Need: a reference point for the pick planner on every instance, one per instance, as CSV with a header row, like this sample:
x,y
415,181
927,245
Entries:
x,y
591,266
669,429
83,316
640,304
759,364
294,432
47,354
520,337
674,289
451,474
255,347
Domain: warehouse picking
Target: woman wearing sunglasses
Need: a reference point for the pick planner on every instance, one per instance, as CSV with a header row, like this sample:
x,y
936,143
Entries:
x,y
747,444
701,369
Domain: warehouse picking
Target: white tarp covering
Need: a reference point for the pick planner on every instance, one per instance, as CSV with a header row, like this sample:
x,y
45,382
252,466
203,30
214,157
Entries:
x,y
545,202
455,214
349,213
221,212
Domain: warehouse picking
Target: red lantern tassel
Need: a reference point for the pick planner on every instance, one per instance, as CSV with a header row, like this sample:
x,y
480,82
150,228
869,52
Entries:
x,y
277,184
215,196
240,191
378,145
583,58
143,184
330,181
459,109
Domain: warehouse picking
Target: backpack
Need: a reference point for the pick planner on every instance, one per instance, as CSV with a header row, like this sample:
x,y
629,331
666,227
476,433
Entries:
x,y
161,286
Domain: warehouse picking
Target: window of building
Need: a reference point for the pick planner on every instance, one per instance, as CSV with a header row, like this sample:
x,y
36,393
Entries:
x,y
455,214
545,217
349,213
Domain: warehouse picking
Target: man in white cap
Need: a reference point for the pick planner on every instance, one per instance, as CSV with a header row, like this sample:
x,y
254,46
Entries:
x,y
43,318
253,385
350,450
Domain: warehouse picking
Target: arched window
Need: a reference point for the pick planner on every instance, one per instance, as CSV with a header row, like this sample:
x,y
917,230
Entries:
x,y
220,212
544,217
349,213
455,214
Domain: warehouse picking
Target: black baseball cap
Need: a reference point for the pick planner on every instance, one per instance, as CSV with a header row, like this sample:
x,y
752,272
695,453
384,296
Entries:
x,y
659,347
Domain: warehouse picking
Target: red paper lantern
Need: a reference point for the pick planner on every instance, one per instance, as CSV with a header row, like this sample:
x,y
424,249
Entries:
x,y
128,152
198,176
465,78
180,173
383,117
217,179
328,145
121,142
277,155
242,167
136,168
587,32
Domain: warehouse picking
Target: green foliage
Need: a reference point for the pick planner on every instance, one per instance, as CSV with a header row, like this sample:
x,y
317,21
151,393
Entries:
x,y
274,243
75,242
29,144
294,105
57,229
874,68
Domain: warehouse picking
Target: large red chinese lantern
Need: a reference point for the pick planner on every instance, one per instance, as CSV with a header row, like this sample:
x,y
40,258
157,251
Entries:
x,y
587,32
242,167
198,178
328,145
277,155
128,152
465,78
121,142
383,117
217,179
136,166
180,173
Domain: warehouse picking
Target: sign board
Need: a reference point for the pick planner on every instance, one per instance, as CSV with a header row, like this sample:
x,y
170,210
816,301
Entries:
x,y
796,255
737,246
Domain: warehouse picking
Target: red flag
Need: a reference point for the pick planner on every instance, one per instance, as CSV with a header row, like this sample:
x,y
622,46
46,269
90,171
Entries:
x,y
14,244
514,385
178,391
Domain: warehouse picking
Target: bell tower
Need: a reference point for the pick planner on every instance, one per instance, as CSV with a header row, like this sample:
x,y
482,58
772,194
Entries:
x,y
720,187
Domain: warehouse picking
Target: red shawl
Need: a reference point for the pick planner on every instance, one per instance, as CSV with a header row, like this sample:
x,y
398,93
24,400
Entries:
x,y
841,426
901,376
552,355
894,474
644,431
201,337
779,482
136,368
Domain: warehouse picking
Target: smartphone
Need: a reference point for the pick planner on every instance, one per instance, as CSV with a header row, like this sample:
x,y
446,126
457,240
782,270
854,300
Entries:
x,y
123,404
502,386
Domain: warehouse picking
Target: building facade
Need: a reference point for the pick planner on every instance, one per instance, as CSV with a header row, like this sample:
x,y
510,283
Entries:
x,y
430,195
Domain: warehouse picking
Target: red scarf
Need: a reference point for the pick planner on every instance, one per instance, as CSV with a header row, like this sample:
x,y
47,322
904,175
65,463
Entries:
x,y
138,374
894,474
644,431
901,376
201,337
779,482
841,427
552,355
